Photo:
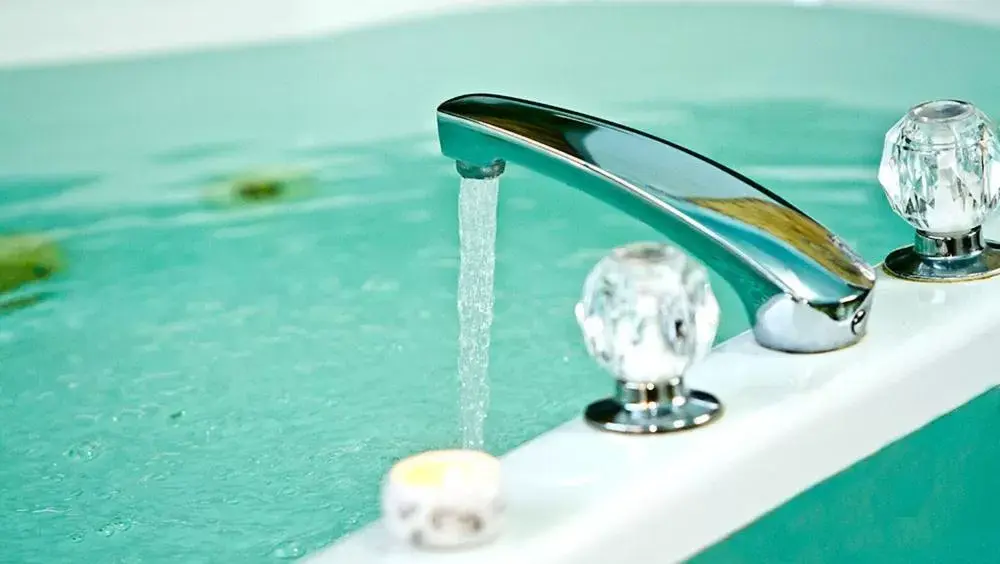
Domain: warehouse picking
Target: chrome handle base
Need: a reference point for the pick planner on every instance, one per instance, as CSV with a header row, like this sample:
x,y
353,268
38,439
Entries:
x,y
945,258
644,408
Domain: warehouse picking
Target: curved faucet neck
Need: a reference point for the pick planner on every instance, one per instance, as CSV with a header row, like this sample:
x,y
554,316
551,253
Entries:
x,y
804,289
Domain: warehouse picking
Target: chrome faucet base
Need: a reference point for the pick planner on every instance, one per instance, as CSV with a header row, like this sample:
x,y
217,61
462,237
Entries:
x,y
945,258
653,408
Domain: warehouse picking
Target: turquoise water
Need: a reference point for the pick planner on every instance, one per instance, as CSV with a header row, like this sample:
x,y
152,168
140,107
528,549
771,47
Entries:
x,y
229,384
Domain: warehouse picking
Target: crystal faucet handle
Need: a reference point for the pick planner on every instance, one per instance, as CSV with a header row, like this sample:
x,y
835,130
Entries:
x,y
940,171
648,314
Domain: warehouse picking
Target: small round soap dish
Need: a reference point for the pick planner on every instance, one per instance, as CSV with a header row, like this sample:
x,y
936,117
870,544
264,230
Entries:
x,y
444,499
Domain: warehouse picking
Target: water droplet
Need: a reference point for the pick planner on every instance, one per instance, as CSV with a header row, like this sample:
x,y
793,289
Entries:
x,y
76,537
85,452
122,524
111,494
288,550
119,524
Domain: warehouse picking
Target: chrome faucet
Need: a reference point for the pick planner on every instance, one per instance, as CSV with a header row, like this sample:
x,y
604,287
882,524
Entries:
x,y
804,289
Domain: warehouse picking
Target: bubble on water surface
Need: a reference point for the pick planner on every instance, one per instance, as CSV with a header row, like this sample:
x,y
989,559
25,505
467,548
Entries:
x,y
288,550
111,494
84,452
76,537
117,525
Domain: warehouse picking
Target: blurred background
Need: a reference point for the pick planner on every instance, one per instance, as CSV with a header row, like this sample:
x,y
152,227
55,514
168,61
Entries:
x,y
39,30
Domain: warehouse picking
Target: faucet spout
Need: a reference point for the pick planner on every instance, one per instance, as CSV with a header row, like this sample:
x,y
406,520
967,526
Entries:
x,y
804,289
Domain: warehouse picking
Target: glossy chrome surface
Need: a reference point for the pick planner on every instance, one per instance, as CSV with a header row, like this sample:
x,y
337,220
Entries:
x,y
651,408
945,258
477,172
805,290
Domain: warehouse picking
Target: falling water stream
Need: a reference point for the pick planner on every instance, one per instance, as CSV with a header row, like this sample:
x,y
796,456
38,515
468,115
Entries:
x,y
477,229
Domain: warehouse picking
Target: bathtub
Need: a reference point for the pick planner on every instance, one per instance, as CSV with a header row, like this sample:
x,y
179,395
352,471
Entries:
x,y
880,452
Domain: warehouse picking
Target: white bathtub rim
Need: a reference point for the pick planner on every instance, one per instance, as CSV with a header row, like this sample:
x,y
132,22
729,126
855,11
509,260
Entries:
x,y
791,421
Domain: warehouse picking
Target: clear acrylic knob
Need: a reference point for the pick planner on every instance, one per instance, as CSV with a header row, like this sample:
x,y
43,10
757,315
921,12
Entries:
x,y
941,173
648,314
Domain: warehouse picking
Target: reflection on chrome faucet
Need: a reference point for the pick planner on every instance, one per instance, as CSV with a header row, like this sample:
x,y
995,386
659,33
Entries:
x,y
804,289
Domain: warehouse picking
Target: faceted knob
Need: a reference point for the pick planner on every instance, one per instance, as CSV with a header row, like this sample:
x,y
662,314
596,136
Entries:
x,y
941,167
941,173
647,314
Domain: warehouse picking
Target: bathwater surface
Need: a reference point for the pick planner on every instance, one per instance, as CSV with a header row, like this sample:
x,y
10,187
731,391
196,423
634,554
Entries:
x,y
225,376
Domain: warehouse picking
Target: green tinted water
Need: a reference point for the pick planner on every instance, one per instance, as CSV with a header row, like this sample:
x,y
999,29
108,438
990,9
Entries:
x,y
230,383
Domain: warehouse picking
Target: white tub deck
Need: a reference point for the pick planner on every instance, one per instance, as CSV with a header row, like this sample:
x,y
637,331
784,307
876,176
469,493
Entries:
x,y
577,495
